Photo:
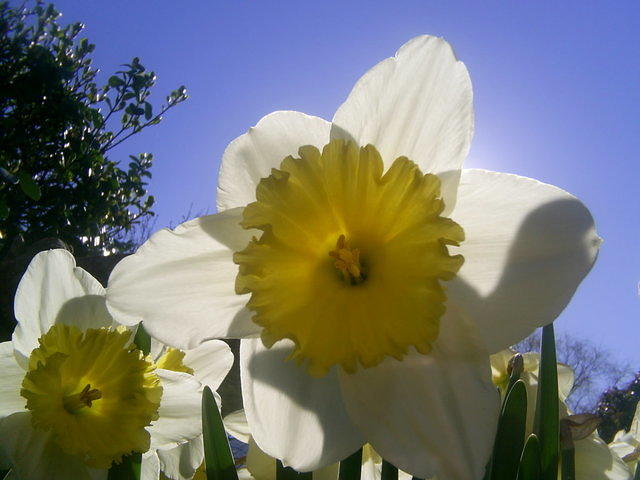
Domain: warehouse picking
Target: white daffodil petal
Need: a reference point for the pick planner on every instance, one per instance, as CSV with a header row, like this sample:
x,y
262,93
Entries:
x,y
565,381
594,461
293,416
34,456
181,283
179,412
528,245
150,466
210,362
237,426
418,104
181,462
10,382
251,156
260,465
435,414
54,290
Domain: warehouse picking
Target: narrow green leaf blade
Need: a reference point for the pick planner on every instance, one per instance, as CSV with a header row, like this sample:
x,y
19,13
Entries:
x,y
142,340
510,436
547,423
217,454
128,469
530,461
288,473
568,465
389,472
351,467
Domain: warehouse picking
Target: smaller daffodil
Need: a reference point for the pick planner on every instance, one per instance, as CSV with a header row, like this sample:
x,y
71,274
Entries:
x,y
76,394
626,444
593,458
208,364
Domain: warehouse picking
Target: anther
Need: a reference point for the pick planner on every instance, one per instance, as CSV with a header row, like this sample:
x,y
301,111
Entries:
x,y
347,261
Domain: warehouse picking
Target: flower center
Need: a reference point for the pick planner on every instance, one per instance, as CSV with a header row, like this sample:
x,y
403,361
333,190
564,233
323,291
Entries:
x,y
347,261
383,234
78,401
94,391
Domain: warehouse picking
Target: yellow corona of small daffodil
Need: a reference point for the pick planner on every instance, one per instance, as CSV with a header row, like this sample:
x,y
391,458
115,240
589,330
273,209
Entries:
x,y
76,394
368,275
594,460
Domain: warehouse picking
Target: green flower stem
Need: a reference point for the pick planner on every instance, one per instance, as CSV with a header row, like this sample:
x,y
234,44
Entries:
x,y
389,472
351,467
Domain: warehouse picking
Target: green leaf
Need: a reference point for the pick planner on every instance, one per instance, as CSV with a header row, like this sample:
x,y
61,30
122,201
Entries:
x,y
351,467
389,472
29,186
115,81
530,462
637,474
128,469
547,423
568,466
510,436
288,473
142,340
148,110
217,454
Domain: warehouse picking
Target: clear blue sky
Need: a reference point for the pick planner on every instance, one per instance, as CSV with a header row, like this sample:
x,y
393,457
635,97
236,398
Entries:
x,y
557,98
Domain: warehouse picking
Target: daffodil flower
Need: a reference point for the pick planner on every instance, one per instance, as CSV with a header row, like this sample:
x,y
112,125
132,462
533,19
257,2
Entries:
x,y
594,460
626,444
209,364
360,249
75,393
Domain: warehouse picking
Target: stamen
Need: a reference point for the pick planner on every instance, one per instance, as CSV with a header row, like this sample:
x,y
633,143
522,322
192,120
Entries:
x,y
347,261
78,401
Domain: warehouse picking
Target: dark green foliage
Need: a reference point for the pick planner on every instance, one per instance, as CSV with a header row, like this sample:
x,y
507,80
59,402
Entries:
x,y
56,129
617,407
218,459
128,469
288,473
510,436
547,422
351,467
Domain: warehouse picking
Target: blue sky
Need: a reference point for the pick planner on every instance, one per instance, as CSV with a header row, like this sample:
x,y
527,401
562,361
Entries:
x,y
557,96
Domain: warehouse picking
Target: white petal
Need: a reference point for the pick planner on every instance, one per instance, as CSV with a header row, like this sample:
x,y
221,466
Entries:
x,y
260,465
34,456
180,410
251,156
237,426
431,414
10,382
594,461
181,283
565,381
418,104
181,462
150,467
293,416
210,362
528,245
54,290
